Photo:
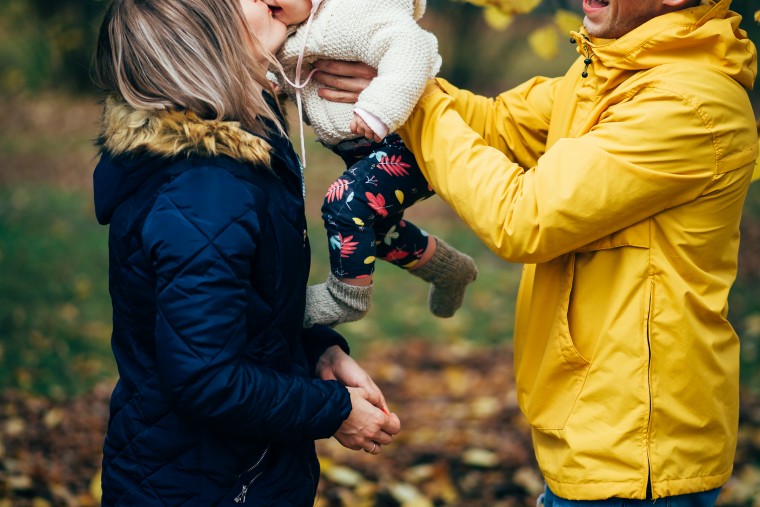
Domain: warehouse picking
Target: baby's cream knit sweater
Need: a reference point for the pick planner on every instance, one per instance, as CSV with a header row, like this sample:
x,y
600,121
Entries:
x,y
381,33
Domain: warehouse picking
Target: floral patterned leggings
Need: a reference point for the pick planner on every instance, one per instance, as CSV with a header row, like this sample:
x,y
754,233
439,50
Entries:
x,y
363,210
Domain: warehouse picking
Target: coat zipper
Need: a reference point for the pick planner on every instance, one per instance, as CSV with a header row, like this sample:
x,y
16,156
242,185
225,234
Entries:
x,y
244,491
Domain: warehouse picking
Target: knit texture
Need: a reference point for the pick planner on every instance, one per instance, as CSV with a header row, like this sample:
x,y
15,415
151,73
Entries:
x,y
333,302
449,271
381,33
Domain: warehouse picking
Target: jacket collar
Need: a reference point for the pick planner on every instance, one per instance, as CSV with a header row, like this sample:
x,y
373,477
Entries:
x,y
707,34
172,133
136,145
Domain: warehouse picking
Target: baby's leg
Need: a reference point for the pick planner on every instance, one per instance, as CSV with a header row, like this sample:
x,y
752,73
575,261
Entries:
x,y
374,190
404,244
348,212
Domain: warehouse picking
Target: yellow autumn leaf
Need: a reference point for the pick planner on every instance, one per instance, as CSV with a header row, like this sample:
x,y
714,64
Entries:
x,y
516,6
508,6
544,42
53,418
344,476
400,196
481,458
496,19
95,490
358,221
369,260
408,495
567,21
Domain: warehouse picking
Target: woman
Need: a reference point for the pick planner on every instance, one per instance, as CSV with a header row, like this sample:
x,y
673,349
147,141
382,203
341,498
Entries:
x,y
221,392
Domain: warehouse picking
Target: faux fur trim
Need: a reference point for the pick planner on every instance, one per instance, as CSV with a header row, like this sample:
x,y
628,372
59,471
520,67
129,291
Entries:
x,y
172,133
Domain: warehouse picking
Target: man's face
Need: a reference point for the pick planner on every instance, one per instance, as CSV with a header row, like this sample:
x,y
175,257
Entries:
x,y
611,19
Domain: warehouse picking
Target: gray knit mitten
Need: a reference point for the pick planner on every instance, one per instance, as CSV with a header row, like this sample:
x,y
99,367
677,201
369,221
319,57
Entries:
x,y
449,271
333,302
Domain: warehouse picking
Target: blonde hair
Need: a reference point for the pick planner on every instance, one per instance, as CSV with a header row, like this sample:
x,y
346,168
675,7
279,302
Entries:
x,y
196,55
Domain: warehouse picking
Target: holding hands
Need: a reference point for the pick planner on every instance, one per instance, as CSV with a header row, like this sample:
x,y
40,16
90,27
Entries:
x,y
370,425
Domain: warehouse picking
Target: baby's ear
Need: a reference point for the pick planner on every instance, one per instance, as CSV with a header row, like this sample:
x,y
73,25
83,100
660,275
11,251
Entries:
x,y
419,9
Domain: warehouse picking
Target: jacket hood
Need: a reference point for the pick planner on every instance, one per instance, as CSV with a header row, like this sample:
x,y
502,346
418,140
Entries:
x,y
708,34
134,144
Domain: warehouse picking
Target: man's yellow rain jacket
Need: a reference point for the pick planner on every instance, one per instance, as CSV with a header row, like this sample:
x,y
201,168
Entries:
x,y
621,192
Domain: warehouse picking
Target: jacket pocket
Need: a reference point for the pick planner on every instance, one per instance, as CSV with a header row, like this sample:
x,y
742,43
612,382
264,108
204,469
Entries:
x,y
551,372
636,235
567,295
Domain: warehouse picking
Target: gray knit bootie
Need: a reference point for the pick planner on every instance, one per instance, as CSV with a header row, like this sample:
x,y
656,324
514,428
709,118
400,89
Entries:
x,y
333,302
448,271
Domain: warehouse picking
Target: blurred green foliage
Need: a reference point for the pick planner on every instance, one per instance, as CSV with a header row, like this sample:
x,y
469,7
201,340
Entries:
x,y
54,304
47,44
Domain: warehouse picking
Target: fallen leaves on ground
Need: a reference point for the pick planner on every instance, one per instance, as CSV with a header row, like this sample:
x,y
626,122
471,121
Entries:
x,y
463,441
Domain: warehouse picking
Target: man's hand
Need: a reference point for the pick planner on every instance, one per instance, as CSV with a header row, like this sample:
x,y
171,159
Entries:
x,y
343,81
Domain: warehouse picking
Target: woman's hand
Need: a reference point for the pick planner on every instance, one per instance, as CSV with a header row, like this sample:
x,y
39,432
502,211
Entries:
x,y
334,364
367,427
370,424
343,81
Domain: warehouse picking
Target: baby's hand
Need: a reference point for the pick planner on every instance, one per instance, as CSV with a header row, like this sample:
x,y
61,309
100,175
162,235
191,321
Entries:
x,y
360,128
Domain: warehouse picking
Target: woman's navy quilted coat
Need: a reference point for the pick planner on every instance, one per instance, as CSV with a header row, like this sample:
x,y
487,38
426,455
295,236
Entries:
x,y
215,402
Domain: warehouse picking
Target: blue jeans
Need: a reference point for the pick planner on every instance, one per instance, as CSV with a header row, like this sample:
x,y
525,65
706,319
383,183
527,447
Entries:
x,y
704,499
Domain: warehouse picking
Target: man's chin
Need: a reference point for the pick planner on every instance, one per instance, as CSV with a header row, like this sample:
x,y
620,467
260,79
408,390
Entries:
x,y
592,28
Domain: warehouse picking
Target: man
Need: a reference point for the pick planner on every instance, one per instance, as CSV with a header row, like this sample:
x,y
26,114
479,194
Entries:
x,y
620,187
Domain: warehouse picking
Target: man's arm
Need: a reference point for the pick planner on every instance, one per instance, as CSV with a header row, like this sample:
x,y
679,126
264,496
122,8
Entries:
x,y
581,190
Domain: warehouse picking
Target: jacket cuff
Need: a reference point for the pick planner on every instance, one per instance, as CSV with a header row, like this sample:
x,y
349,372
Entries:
x,y
317,339
375,123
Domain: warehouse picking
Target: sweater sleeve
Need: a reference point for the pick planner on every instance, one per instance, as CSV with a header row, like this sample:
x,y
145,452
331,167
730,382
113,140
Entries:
x,y
201,252
405,56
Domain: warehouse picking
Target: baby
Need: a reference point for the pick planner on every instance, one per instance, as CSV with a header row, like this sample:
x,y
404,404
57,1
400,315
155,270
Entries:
x,y
364,208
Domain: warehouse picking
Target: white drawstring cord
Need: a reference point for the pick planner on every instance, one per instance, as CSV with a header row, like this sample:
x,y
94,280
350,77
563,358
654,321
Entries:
x,y
298,85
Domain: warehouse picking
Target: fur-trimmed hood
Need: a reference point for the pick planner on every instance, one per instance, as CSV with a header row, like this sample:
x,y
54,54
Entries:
x,y
135,144
171,133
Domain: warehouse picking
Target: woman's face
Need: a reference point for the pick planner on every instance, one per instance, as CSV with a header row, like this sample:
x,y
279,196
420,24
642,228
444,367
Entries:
x,y
270,31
